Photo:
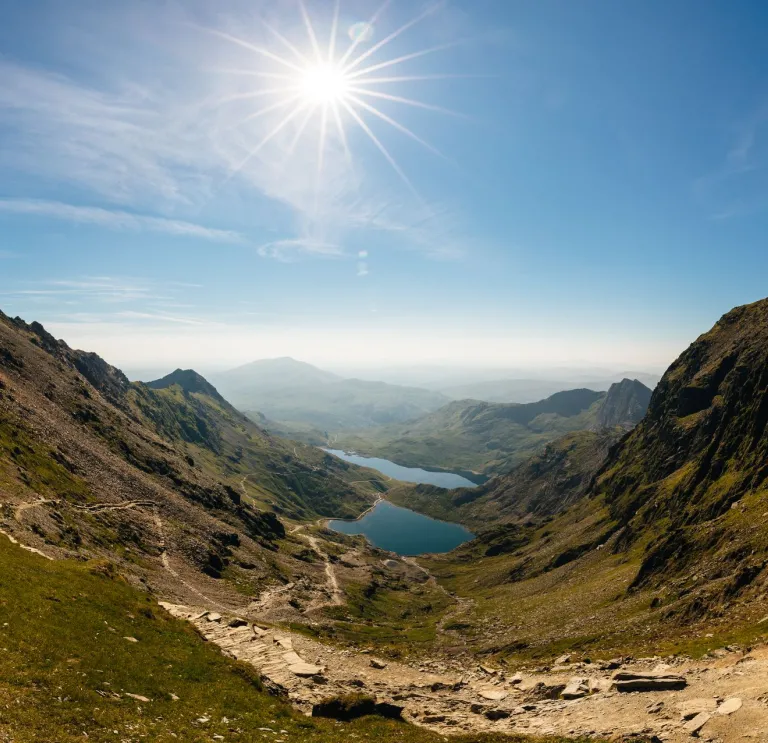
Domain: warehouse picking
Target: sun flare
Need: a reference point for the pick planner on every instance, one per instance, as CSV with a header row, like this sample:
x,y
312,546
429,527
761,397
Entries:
x,y
324,83
337,88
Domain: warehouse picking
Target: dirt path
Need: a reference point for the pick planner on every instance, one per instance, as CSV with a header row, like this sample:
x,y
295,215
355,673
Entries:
x,y
332,582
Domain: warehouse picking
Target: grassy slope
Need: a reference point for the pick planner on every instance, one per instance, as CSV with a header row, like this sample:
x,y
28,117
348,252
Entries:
x,y
65,669
544,485
668,547
477,436
295,480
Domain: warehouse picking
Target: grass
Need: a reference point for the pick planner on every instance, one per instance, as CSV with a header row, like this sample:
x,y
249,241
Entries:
x,y
66,670
470,436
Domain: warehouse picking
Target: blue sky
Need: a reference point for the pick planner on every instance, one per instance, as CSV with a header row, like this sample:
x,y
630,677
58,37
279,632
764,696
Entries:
x,y
571,182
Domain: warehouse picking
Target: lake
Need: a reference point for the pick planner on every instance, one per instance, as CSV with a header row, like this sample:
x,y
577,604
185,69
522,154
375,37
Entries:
x,y
406,474
405,532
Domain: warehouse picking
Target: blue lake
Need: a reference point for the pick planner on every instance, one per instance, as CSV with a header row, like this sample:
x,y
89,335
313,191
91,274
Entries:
x,y
406,474
404,532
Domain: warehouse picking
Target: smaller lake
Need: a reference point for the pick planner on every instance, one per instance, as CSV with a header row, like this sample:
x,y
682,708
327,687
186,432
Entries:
x,y
405,532
406,474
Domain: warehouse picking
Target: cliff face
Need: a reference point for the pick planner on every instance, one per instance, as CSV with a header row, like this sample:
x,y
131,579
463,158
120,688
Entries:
x,y
625,404
690,480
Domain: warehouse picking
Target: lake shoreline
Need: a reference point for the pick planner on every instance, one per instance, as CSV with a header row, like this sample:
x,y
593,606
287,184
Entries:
x,y
402,531
434,476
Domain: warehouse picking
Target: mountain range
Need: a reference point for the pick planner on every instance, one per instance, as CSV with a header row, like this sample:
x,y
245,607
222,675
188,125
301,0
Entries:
x,y
491,438
606,541
308,401
613,538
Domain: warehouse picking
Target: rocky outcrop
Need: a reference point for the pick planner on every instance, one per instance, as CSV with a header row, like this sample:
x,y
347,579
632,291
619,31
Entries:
x,y
625,405
190,382
682,481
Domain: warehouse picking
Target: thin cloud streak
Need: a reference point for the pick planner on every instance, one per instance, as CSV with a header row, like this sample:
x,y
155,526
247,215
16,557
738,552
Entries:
x,y
117,220
165,142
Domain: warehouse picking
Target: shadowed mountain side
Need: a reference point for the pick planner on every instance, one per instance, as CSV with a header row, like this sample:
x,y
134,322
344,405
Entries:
x,y
539,488
93,465
667,541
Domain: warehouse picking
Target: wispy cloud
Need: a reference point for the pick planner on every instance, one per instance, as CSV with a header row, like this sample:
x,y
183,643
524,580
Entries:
x,y
100,289
117,220
286,250
158,316
174,137
739,186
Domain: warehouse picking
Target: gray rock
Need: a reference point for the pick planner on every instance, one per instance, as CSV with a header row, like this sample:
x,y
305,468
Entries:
x,y
576,689
378,664
305,670
494,695
697,723
691,707
629,681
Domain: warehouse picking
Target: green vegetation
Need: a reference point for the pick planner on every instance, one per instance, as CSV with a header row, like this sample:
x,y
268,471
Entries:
x,y
543,486
68,665
292,479
493,438
477,436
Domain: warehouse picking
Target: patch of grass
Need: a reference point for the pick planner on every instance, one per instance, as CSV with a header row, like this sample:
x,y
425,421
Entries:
x,y
66,669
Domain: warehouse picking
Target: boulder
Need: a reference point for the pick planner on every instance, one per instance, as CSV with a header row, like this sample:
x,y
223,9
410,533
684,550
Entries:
x,y
378,664
305,670
563,660
212,616
691,707
494,695
631,681
137,697
576,689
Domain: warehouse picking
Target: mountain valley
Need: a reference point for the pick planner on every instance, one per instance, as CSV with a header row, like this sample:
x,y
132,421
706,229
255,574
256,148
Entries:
x,y
491,438
604,540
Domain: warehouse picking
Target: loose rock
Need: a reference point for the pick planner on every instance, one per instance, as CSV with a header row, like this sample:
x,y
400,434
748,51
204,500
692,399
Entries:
x,y
697,723
629,681
729,706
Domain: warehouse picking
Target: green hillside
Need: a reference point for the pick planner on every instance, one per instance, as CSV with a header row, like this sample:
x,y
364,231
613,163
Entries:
x,y
665,546
88,657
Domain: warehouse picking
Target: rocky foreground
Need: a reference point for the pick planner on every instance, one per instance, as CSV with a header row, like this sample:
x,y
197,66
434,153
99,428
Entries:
x,y
720,698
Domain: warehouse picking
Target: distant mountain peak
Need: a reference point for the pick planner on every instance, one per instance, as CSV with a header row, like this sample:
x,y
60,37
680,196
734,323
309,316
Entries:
x,y
625,404
190,381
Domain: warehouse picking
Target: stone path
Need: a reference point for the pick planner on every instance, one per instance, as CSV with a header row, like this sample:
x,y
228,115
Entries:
x,y
720,699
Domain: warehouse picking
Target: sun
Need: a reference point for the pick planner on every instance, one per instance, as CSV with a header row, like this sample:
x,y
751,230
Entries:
x,y
338,88
324,83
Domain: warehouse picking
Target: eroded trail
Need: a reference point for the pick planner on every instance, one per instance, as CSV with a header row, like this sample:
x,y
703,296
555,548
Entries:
x,y
720,699
332,581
